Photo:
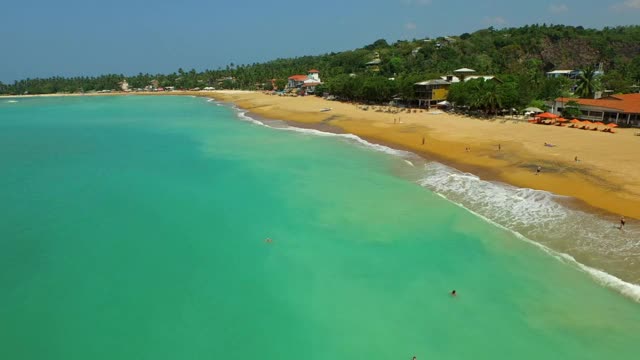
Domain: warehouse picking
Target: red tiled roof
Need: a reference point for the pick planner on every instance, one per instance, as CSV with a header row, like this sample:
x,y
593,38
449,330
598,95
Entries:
x,y
627,103
314,71
298,77
311,84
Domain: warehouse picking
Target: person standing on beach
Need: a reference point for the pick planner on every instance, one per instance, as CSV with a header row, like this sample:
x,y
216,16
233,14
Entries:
x,y
538,170
423,140
622,222
499,147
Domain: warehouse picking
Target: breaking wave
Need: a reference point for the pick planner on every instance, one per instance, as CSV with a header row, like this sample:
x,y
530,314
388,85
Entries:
x,y
534,216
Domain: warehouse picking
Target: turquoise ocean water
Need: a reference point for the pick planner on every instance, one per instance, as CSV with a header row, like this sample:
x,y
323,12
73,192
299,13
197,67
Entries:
x,y
134,227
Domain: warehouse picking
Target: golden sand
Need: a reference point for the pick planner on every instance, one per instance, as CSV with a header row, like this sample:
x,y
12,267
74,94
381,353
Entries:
x,y
607,175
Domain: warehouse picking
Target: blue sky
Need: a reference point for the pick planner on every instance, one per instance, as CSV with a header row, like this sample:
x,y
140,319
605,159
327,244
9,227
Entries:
x,y
72,37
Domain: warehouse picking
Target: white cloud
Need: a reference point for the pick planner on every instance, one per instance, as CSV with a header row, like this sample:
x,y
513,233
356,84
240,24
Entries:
x,y
410,26
627,4
496,20
558,8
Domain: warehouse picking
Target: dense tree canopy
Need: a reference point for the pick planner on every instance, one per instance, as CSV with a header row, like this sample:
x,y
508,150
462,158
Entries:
x,y
517,56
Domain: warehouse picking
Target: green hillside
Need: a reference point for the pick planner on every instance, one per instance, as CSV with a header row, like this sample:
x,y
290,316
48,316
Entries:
x,y
520,57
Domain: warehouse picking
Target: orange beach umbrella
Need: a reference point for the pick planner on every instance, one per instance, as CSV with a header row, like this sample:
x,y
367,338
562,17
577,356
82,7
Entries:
x,y
598,123
612,125
574,121
561,120
547,115
587,122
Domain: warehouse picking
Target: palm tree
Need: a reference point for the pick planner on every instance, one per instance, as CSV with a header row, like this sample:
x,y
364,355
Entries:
x,y
587,83
492,100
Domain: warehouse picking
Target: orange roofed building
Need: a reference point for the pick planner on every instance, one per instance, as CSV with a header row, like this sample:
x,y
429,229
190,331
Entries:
x,y
307,83
622,109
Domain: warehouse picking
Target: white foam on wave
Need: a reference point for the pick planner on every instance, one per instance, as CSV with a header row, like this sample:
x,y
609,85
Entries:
x,y
12,101
354,138
512,206
535,212
381,148
243,115
625,288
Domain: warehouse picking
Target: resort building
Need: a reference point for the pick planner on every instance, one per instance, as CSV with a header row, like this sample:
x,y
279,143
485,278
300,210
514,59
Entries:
x,y
430,92
306,83
573,74
454,79
124,86
463,73
570,74
622,109
374,65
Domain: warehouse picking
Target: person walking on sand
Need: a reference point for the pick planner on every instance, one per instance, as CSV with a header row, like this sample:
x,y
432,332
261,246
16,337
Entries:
x,y
622,222
499,147
538,170
423,140
576,158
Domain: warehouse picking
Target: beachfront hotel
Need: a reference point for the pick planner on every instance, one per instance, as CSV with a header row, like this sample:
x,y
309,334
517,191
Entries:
x,y
431,92
307,83
622,109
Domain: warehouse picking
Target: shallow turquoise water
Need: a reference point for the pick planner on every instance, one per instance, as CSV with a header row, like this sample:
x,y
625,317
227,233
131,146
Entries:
x,y
134,227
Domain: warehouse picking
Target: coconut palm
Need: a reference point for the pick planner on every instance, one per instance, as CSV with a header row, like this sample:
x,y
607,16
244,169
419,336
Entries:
x,y
587,83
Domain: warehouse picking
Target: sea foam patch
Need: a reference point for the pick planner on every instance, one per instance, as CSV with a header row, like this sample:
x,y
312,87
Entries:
x,y
537,217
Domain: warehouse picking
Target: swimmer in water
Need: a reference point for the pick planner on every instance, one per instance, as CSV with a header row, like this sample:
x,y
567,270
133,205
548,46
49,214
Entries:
x,y
453,293
268,240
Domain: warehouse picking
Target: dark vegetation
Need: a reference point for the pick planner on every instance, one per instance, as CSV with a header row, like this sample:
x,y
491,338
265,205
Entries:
x,y
519,57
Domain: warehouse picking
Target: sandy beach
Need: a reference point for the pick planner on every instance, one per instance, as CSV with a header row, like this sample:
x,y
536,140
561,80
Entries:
x,y
605,177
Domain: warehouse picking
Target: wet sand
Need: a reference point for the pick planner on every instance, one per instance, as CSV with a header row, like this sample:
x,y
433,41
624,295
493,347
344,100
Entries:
x,y
606,177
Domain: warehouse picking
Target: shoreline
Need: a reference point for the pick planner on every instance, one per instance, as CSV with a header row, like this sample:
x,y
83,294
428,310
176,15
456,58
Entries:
x,y
590,188
597,187
622,282
623,279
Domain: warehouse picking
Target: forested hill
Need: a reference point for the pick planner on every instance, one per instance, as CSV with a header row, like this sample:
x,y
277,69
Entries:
x,y
521,55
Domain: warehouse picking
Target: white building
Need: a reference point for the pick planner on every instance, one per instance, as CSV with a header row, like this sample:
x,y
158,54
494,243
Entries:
x,y
307,82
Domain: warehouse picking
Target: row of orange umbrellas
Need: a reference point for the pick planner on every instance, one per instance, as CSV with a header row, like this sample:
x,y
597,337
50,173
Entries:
x,y
557,118
587,122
